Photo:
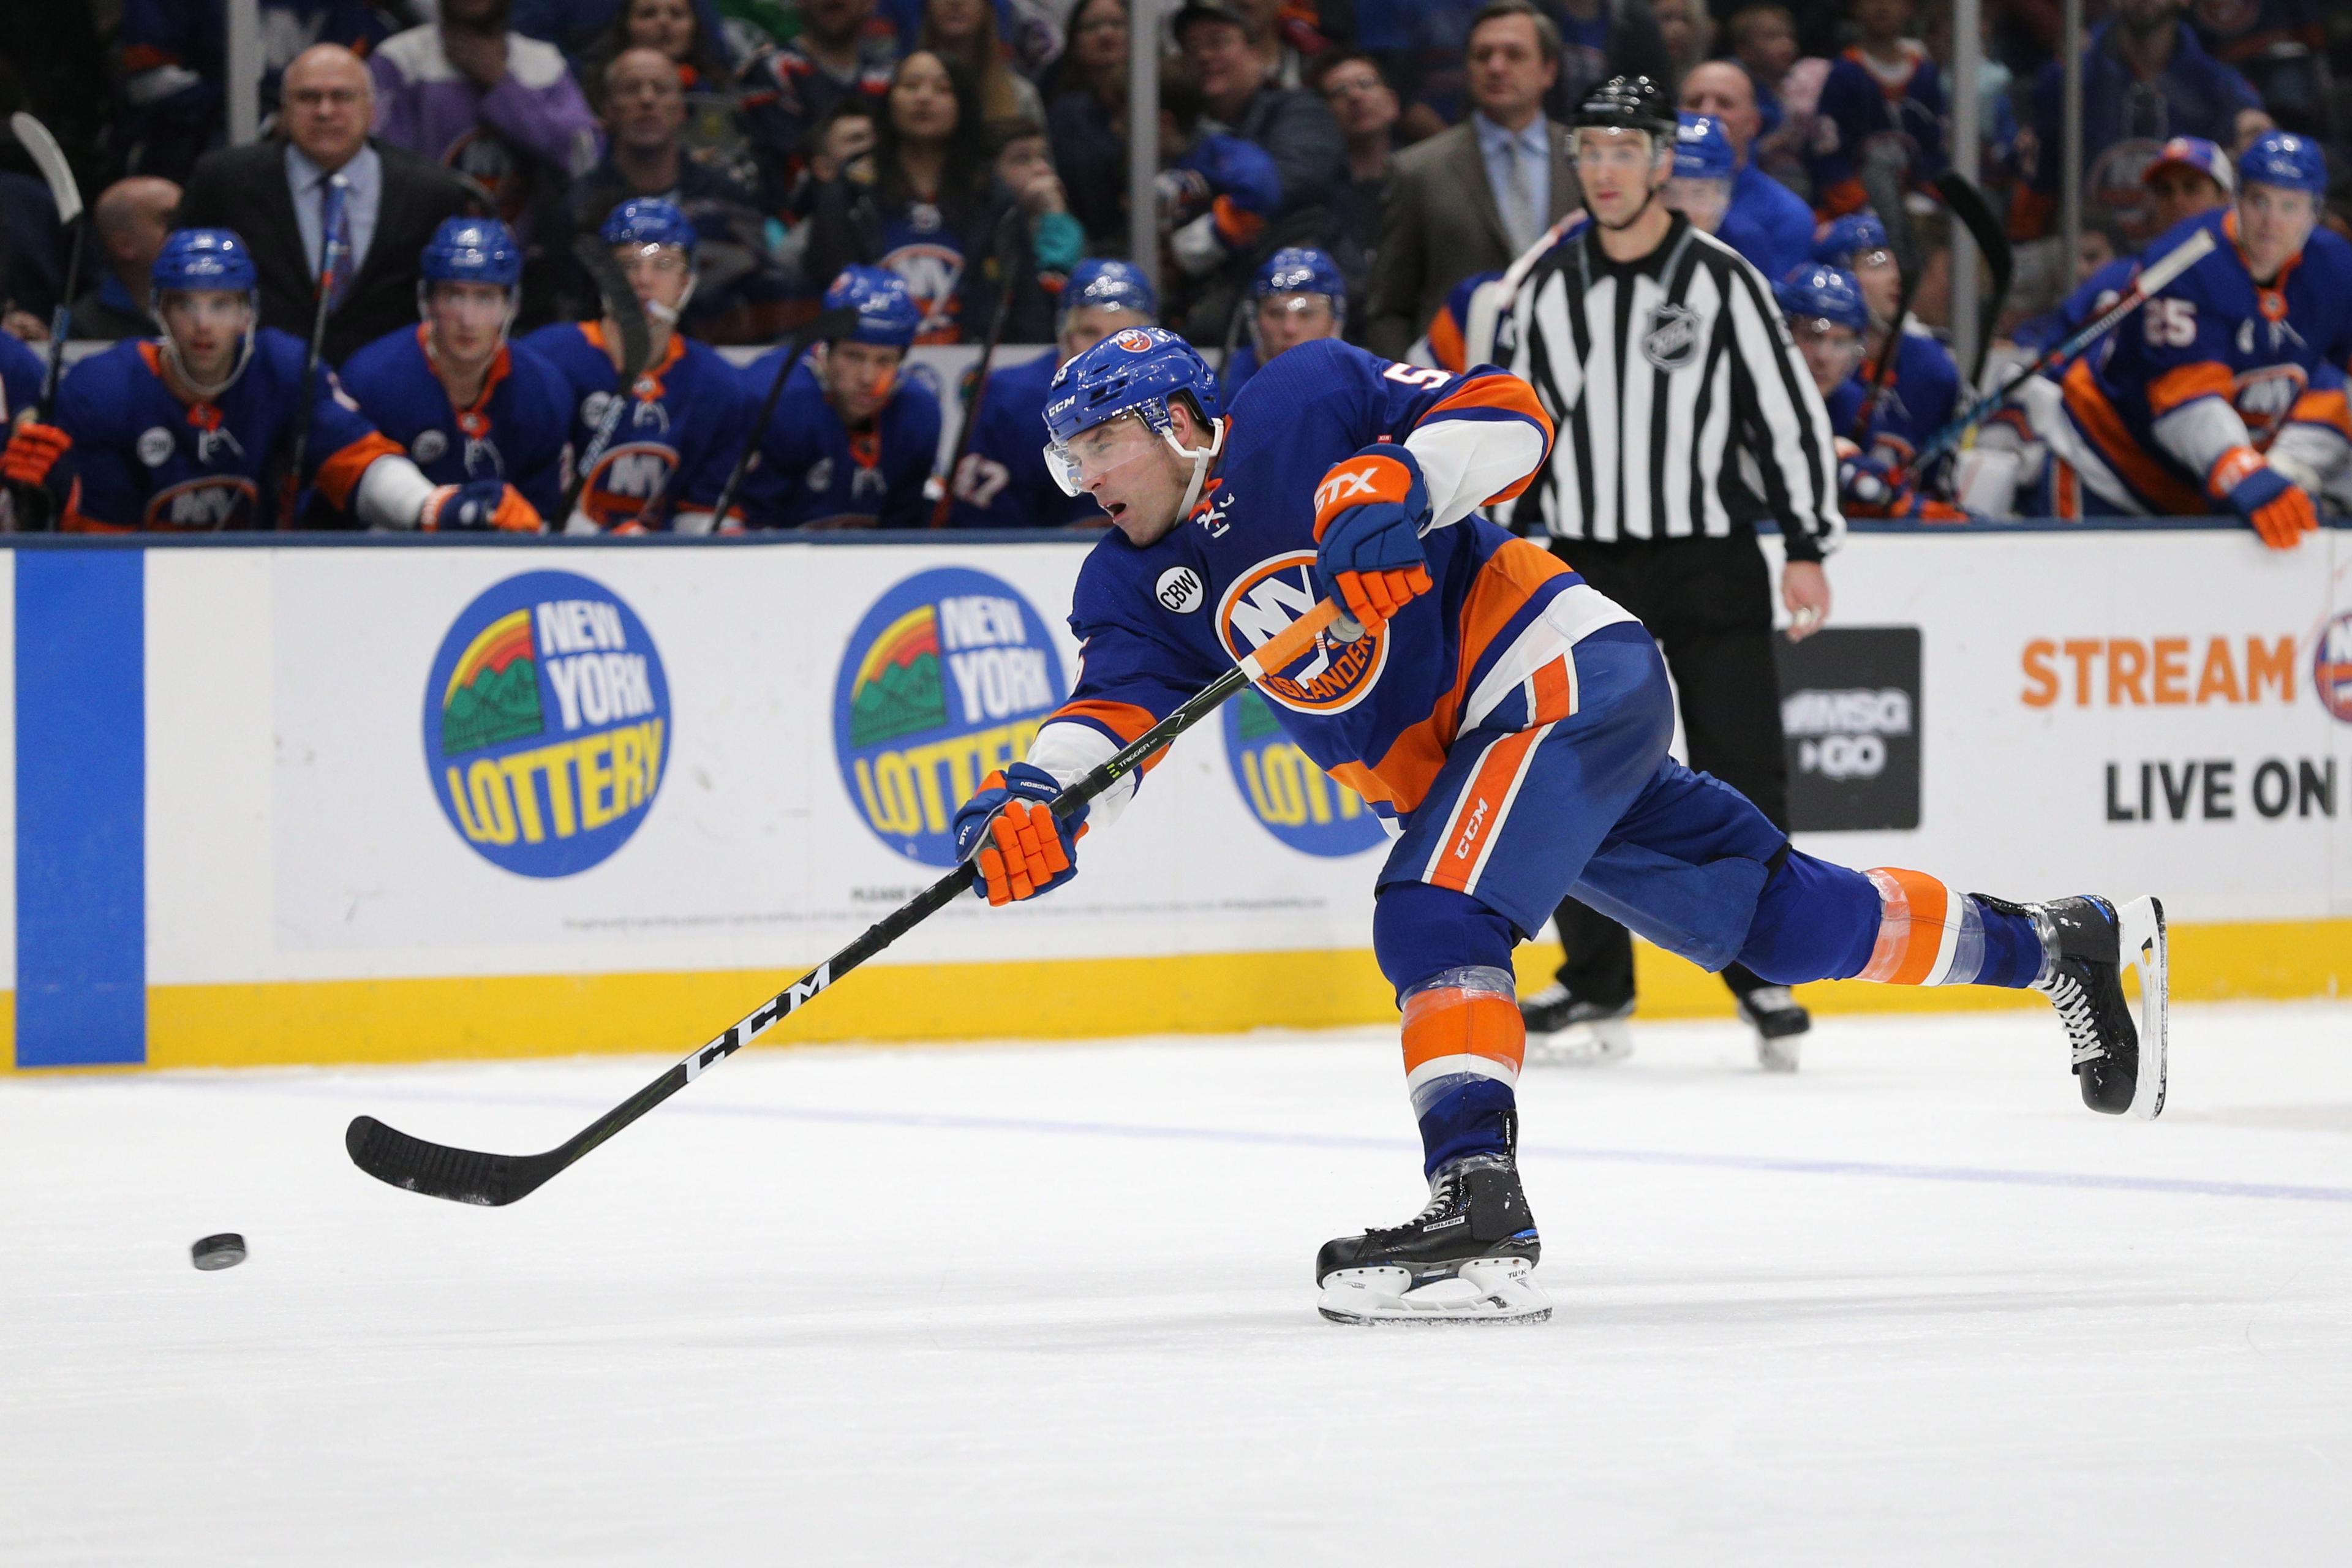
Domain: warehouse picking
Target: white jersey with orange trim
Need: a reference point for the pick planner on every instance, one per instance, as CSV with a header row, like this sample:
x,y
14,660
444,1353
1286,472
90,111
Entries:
x,y
1161,622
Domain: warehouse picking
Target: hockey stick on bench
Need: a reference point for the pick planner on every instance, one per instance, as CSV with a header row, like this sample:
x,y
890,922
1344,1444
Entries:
x,y
2152,280
463,1176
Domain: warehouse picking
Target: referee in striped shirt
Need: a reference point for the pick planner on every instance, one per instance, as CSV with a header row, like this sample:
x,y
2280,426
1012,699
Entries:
x,y
1686,414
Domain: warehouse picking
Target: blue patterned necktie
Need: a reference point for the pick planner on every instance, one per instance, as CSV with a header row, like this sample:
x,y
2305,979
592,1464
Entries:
x,y
334,239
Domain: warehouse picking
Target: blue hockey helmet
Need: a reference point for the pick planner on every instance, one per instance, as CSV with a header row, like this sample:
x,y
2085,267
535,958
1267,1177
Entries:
x,y
1702,149
885,313
1131,372
1819,291
2283,159
472,250
1853,236
648,220
1300,270
204,259
1103,283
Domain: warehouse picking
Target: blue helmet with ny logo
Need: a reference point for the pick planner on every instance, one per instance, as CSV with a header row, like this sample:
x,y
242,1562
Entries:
x,y
2283,159
472,250
1106,283
1130,373
883,312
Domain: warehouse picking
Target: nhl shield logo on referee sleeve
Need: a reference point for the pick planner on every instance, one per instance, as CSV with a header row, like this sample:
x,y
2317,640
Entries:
x,y
1672,341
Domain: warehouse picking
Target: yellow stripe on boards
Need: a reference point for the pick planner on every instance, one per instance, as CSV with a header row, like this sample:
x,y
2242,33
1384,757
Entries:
x,y
335,1022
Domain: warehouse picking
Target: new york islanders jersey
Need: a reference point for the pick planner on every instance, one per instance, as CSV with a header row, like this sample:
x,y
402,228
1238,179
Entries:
x,y
142,459
1003,481
2217,361
515,430
1893,114
1922,388
1160,622
2102,288
811,466
20,378
677,442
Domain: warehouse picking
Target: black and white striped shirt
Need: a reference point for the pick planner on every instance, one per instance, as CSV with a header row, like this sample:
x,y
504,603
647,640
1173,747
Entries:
x,y
1683,404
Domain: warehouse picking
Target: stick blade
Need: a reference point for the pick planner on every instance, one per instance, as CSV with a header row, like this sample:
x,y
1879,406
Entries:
x,y
620,300
437,1171
50,158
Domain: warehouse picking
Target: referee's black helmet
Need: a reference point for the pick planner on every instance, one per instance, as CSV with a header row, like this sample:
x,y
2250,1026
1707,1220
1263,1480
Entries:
x,y
1628,103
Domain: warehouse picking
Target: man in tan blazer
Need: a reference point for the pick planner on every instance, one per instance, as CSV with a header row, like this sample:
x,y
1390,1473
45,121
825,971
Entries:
x,y
1470,199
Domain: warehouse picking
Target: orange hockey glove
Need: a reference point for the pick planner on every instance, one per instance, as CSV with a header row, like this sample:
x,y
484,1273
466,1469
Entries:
x,y
1368,514
33,450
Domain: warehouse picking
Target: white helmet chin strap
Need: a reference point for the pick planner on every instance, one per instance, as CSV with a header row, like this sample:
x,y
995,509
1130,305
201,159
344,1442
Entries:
x,y
1201,457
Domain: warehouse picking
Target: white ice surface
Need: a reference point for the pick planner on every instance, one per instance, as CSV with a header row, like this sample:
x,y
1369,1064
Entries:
x,y
1051,1305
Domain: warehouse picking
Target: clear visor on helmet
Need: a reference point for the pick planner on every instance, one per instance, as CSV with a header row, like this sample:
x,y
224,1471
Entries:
x,y
1099,450
1827,344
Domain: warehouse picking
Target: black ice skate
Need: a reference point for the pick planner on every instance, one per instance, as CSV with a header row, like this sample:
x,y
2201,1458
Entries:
x,y
1565,1030
1469,1257
1780,1027
2085,943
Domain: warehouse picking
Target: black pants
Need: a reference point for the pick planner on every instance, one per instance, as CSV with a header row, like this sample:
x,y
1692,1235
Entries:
x,y
1709,603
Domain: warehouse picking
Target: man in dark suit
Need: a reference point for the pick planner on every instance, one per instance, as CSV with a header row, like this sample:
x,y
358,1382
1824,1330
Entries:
x,y
329,177
1470,199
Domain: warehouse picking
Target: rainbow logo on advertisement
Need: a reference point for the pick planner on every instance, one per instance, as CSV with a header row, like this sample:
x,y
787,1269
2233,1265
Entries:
x,y
945,680
547,725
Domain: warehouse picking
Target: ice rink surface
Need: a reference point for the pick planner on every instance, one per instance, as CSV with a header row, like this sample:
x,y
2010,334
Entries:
x,y
1051,1305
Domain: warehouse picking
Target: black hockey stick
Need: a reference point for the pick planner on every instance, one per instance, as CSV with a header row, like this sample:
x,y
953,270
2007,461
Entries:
x,y
1886,199
828,325
971,416
1968,204
463,1177
64,194
624,311
2152,280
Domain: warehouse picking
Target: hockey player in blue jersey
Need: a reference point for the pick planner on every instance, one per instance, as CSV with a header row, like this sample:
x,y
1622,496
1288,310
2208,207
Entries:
x,y
467,404
21,371
1922,387
852,441
687,417
1003,481
1706,169
1298,296
1826,315
191,431
2228,388
1506,720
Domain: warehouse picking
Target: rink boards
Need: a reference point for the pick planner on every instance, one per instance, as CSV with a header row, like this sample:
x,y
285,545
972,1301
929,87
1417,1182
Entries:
x,y
369,802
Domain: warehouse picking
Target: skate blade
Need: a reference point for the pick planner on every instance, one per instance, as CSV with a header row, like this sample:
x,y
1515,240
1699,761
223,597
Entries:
x,y
2140,925
1604,1043
1782,1054
1487,1291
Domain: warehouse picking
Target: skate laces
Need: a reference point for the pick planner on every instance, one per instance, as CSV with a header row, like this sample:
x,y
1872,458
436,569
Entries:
x,y
1551,995
2074,1004
1445,1192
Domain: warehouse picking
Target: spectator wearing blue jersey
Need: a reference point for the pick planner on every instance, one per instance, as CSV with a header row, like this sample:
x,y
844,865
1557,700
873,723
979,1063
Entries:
x,y
1002,481
1297,297
2190,176
851,442
1778,224
2146,79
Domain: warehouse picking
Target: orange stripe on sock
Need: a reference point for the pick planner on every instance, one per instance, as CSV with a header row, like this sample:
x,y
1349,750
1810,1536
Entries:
x,y
1452,1022
1481,811
1912,907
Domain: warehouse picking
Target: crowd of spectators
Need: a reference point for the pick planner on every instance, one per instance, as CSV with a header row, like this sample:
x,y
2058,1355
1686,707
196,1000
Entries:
x,y
975,150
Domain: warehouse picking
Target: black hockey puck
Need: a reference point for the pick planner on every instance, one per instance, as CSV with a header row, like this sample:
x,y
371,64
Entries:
x,y
226,1251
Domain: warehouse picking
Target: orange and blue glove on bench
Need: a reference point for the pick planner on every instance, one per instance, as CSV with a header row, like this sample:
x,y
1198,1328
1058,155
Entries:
x,y
1368,514
1023,848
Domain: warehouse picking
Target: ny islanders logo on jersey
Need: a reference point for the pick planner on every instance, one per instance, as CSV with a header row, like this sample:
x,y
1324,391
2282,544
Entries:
x,y
1265,599
946,680
546,724
1292,798
626,481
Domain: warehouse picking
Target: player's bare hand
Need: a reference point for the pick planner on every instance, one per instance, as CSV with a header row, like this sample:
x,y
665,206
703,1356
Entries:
x,y
1805,591
25,325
